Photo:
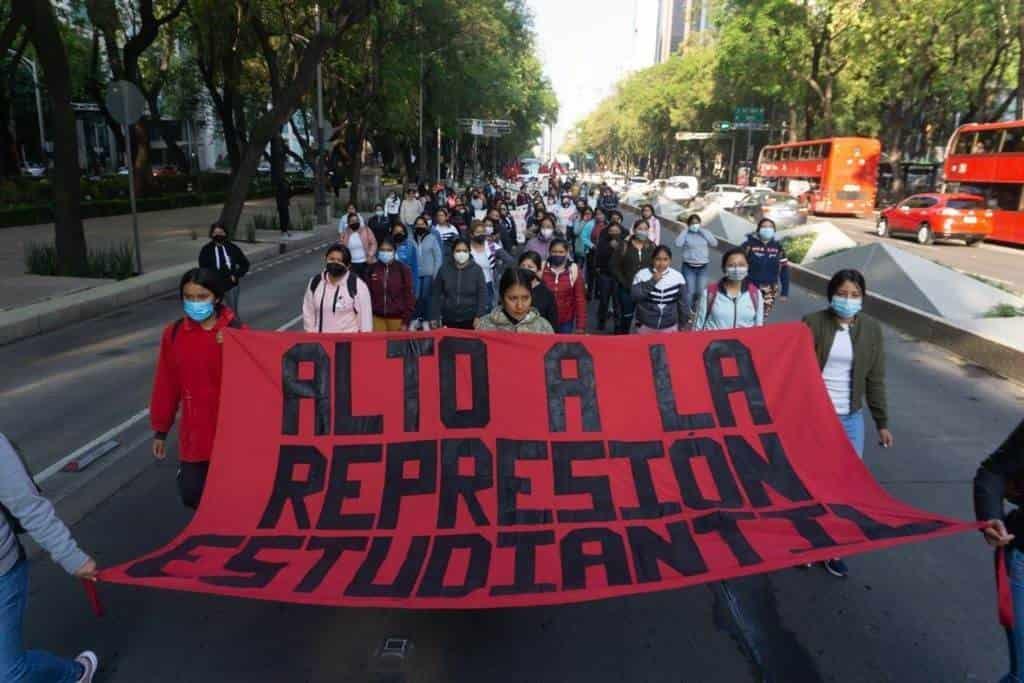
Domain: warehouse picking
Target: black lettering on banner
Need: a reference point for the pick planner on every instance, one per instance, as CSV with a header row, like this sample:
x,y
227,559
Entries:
x,y
363,585
340,487
524,580
754,471
639,452
295,389
671,420
344,421
410,351
455,485
683,452
260,572
432,584
575,561
398,486
563,454
288,489
583,386
726,525
480,413
877,531
510,485
153,567
679,551
805,522
332,547
746,382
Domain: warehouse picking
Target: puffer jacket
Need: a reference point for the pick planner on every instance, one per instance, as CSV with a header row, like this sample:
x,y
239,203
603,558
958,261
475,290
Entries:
x,y
458,294
498,321
391,290
660,305
627,261
570,295
726,313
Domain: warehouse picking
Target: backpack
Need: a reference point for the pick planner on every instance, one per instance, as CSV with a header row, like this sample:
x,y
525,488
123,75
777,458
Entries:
x,y
752,290
352,286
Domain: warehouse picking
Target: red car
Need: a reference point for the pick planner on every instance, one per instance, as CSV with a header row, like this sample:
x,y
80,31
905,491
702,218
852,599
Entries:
x,y
933,216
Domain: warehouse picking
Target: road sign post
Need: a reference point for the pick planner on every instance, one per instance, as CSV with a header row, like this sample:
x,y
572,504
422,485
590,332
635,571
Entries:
x,y
125,103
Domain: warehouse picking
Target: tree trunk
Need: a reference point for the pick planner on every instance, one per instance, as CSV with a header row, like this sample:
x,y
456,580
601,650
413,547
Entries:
x,y
281,193
69,235
142,161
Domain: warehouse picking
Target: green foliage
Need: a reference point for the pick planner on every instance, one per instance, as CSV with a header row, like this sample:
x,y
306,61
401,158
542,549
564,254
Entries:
x,y
797,247
112,262
1003,311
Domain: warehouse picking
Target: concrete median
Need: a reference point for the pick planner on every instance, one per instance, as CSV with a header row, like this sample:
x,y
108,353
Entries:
x,y
978,347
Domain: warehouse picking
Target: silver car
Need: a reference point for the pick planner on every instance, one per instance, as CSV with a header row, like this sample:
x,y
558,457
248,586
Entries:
x,y
781,208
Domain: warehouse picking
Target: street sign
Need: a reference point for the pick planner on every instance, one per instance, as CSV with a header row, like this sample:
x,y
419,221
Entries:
x,y
125,102
682,136
722,126
749,115
477,127
751,126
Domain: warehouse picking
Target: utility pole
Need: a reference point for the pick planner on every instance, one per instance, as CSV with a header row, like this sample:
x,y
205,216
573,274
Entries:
x,y
320,197
732,155
438,176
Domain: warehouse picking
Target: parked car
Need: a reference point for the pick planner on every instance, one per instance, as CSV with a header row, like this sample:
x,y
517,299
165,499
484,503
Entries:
x,y
638,183
726,195
932,216
161,171
778,206
33,170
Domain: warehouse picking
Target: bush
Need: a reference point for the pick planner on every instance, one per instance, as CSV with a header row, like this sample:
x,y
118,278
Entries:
x,y
306,221
797,247
117,261
25,215
1004,311
263,221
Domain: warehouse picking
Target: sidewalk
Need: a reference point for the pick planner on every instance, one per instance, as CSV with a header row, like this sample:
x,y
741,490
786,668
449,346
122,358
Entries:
x,y
30,304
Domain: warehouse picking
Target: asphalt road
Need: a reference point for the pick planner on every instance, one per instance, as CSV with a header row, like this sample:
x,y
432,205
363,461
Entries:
x,y
1001,264
919,613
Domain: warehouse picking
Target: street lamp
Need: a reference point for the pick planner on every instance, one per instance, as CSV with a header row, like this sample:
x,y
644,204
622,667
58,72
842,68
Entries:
x,y
39,104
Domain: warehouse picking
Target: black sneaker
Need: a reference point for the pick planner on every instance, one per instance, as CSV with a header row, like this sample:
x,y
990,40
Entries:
x,y
837,567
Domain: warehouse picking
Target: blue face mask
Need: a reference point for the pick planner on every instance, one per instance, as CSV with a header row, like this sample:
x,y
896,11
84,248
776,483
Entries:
x,y
199,310
693,227
766,233
846,307
386,256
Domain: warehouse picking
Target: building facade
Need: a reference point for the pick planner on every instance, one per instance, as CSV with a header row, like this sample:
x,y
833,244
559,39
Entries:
x,y
680,22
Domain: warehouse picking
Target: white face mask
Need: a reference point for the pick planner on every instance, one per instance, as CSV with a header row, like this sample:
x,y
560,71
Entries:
x,y
547,233
461,257
736,273
488,230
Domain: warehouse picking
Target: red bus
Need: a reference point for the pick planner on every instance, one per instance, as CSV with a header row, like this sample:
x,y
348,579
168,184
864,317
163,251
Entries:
x,y
840,174
988,159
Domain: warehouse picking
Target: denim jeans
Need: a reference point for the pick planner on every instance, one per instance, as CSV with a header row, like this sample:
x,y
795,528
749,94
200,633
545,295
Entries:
x,y
16,664
1015,637
853,425
606,295
426,286
696,282
565,328
231,298
626,309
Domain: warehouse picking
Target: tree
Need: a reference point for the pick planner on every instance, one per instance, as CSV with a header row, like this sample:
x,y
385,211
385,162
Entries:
x,y
43,28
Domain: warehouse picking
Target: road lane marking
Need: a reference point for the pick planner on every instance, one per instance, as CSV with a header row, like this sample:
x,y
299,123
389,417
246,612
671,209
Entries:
x,y
114,431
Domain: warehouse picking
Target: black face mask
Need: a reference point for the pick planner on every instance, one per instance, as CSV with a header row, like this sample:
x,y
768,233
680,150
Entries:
x,y
399,237
421,230
479,239
556,260
220,239
336,269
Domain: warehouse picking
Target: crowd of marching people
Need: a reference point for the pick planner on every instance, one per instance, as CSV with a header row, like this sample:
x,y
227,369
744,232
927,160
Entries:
x,y
559,261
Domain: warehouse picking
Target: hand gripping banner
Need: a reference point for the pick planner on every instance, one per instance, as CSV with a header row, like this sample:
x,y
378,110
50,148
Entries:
x,y
462,470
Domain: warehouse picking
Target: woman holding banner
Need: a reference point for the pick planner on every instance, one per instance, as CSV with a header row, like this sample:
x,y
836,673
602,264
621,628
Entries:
x,y
188,375
732,302
1001,477
565,280
515,311
851,356
659,293
459,295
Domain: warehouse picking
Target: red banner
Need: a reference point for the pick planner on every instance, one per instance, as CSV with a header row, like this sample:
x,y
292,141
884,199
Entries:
x,y
462,470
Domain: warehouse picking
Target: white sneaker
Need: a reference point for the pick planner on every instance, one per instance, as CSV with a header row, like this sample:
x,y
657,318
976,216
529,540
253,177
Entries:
x,y
90,662
414,324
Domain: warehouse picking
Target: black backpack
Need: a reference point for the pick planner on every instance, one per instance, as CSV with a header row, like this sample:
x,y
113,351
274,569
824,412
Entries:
x,y
315,282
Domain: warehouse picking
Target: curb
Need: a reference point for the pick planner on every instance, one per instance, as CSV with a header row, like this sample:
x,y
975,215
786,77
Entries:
x,y
985,351
55,313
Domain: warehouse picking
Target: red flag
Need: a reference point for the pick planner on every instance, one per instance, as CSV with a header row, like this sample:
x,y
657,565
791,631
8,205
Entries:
x,y
464,470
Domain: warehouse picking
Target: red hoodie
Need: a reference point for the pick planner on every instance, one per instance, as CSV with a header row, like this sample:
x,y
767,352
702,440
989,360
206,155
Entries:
x,y
570,296
188,373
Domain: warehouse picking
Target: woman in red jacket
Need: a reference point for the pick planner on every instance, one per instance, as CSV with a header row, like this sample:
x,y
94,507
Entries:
x,y
564,280
188,373
390,290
